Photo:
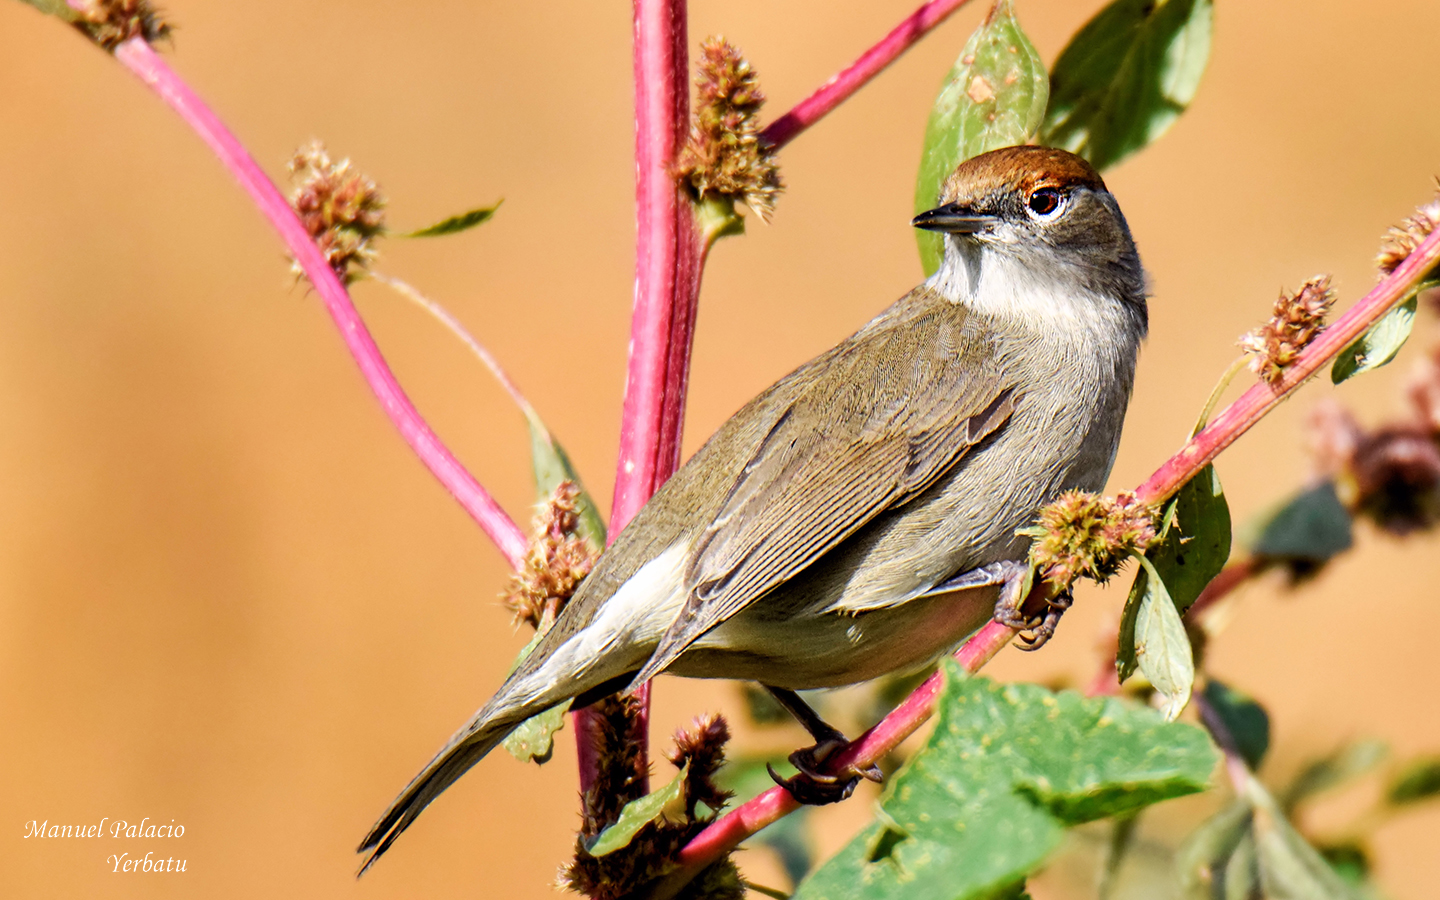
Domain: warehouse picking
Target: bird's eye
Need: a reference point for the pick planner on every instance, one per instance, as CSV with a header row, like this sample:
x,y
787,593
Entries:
x,y
1044,202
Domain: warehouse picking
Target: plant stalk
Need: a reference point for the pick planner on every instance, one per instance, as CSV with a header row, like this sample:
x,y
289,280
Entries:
x,y
142,60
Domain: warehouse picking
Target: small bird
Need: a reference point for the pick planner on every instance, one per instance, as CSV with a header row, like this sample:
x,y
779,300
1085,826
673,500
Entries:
x,y
859,516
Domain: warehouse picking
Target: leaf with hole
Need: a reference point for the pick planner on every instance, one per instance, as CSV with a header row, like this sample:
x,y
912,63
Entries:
x,y
1006,770
1126,76
994,97
1377,346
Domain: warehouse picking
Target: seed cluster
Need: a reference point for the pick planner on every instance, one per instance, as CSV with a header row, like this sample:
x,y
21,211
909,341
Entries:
x,y
341,208
1085,535
557,561
110,23
725,154
1295,321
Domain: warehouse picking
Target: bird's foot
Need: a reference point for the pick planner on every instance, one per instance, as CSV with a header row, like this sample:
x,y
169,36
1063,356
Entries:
x,y
813,785
1036,627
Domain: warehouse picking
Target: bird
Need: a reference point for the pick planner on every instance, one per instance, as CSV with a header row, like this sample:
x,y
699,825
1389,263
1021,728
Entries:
x,y
859,516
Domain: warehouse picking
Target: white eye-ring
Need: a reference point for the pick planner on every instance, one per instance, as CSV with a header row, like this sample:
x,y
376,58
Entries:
x,y
1045,204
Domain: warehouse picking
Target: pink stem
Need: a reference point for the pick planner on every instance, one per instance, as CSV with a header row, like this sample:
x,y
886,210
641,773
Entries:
x,y
669,256
141,59
745,820
856,75
1251,407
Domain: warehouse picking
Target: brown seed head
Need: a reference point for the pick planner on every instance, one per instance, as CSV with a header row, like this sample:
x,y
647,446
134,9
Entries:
x,y
725,155
1084,534
112,22
1403,239
557,561
340,208
702,745
1294,323
1397,477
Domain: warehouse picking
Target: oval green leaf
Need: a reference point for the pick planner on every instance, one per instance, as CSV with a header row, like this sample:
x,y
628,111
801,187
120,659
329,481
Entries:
x,y
1246,720
1377,346
1126,76
1162,648
994,97
1195,539
1420,780
1311,527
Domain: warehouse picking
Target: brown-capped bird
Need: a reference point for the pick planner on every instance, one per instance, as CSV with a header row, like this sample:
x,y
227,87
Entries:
x,y
859,516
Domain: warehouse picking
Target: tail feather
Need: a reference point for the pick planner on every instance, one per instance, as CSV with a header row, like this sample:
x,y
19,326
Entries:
x,y
469,745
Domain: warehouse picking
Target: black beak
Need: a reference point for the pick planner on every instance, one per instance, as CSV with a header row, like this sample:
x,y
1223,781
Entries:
x,y
953,218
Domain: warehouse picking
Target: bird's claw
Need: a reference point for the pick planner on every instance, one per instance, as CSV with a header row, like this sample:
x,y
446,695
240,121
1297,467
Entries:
x,y
812,785
1035,630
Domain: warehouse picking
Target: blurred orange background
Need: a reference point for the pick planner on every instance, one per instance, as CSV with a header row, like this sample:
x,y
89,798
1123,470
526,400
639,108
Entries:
x,y
229,596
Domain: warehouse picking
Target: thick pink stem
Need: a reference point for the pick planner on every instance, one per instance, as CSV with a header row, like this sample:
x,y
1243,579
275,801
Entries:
x,y
141,59
856,75
669,255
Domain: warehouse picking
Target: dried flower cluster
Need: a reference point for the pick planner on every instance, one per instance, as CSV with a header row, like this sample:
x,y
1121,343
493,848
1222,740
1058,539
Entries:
x,y
112,22
725,154
341,209
1390,475
556,563
1294,323
1086,535
651,853
1403,239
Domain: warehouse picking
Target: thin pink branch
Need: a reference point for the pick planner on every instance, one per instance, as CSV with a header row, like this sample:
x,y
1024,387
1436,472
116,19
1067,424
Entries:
x,y
1251,407
856,75
141,59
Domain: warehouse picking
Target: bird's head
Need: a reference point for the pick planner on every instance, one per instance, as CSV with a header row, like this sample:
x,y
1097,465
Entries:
x,y
1033,215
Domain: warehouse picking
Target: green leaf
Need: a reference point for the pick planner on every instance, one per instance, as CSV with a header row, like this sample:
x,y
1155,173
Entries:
x,y
668,803
455,224
1246,720
1419,780
1289,866
1162,648
1203,860
1194,545
1005,771
994,97
1333,770
1311,527
1126,76
534,740
58,8
1377,346
551,465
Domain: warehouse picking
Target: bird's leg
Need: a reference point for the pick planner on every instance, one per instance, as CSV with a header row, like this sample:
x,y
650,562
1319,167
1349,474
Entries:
x,y
812,786
1037,627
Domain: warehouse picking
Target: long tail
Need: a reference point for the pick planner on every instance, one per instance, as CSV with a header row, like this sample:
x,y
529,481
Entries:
x,y
466,748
